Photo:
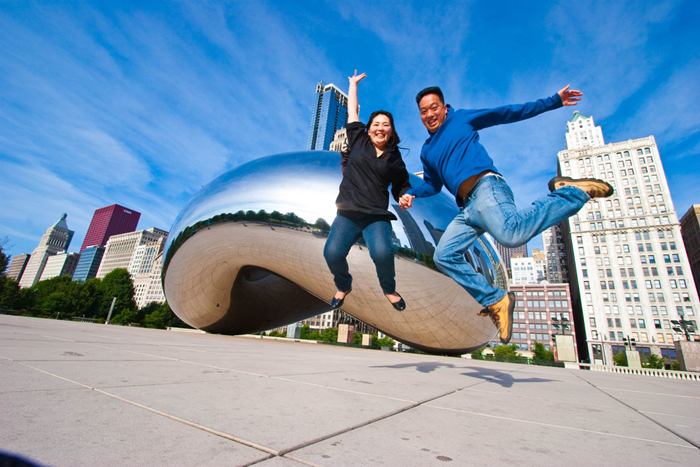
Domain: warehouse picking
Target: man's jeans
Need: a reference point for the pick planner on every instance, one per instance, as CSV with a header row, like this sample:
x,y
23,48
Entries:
x,y
376,232
490,208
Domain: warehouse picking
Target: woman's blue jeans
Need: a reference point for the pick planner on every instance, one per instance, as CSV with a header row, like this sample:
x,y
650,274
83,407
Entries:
x,y
490,208
376,232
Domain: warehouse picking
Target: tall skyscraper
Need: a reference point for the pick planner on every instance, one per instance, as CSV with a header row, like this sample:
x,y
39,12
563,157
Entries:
x,y
16,267
108,221
60,264
555,255
55,240
330,114
582,132
120,249
507,253
629,272
88,263
690,229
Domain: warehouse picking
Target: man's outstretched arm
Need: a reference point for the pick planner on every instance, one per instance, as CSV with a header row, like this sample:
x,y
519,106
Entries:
x,y
484,118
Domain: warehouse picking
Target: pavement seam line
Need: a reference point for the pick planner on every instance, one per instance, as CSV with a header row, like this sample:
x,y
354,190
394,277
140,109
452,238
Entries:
x,y
284,452
684,438
563,427
190,423
647,392
335,388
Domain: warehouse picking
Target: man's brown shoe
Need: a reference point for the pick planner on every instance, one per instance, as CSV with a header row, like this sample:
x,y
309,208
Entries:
x,y
595,188
501,314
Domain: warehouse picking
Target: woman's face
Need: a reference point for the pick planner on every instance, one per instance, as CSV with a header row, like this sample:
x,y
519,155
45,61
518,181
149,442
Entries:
x,y
380,131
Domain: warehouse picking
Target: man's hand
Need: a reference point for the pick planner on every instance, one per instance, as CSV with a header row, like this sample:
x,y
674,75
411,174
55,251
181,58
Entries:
x,y
355,78
569,96
406,201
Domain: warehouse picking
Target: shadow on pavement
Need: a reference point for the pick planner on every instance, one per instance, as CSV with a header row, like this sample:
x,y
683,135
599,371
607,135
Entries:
x,y
501,378
487,374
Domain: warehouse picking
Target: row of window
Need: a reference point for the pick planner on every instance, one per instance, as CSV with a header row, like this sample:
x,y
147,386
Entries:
x,y
538,315
635,297
639,337
536,336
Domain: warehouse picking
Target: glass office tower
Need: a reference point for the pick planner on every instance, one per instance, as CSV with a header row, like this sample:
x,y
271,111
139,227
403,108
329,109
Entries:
x,y
330,115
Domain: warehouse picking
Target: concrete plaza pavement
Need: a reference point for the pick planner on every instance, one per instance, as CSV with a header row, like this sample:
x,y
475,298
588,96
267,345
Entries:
x,y
74,394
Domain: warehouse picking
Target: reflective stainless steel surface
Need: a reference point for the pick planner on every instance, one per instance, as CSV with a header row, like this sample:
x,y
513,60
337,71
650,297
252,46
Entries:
x,y
246,255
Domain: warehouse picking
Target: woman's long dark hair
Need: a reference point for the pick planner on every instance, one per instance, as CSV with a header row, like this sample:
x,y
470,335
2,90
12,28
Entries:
x,y
394,140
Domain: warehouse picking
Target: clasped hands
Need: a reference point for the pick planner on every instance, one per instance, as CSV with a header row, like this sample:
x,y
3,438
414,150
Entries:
x,y
406,201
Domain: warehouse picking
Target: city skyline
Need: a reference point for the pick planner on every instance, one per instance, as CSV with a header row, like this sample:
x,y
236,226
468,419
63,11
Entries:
x,y
142,105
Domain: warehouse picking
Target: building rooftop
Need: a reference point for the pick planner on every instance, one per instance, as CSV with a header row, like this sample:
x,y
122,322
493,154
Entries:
x,y
89,394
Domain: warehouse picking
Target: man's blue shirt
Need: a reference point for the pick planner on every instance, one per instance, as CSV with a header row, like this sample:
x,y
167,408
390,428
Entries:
x,y
453,152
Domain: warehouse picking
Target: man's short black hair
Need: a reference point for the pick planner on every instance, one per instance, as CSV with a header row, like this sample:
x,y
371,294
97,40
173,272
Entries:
x,y
431,90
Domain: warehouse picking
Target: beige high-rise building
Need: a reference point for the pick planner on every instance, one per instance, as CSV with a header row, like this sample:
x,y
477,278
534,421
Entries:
x,y
120,250
340,141
55,239
582,132
145,268
16,267
61,264
629,270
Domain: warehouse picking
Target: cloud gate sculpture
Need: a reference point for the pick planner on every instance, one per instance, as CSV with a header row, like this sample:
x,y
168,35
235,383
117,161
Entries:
x,y
246,255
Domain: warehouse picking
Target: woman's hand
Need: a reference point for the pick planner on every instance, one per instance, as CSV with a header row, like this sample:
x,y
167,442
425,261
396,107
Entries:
x,y
353,105
355,78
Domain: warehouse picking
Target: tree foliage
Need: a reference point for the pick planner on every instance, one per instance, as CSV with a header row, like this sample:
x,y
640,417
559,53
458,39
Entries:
x,y
620,359
540,353
63,298
4,260
506,353
9,293
117,284
653,361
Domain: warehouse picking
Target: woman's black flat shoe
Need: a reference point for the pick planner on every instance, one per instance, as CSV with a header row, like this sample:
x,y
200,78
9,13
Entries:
x,y
400,305
338,302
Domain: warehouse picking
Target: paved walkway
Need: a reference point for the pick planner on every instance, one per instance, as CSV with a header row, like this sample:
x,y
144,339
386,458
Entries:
x,y
74,394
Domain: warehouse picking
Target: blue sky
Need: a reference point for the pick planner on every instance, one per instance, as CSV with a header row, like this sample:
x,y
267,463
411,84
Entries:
x,y
143,103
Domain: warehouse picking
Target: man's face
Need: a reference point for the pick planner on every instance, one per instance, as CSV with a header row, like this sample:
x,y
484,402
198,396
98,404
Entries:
x,y
432,111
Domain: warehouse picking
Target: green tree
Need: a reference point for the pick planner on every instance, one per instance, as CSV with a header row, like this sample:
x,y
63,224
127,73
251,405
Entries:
x,y
9,293
620,359
385,341
506,353
322,225
478,354
540,353
653,361
4,259
58,296
117,284
125,317
163,317
90,298
329,335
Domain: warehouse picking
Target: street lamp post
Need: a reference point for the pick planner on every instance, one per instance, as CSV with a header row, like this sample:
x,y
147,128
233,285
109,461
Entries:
x,y
562,324
630,342
683,326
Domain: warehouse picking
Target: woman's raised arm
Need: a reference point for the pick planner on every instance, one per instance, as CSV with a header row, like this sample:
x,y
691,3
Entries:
x,y
353,104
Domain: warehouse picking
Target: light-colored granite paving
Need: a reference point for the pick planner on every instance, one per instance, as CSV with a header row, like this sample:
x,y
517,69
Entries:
x,y
75,394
